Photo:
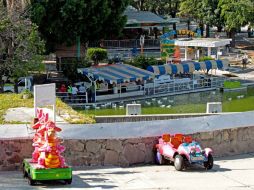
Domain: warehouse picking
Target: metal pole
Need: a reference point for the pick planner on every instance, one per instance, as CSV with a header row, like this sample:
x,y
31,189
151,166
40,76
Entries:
x,y
86,97
120,89
54,112
35,105
95,94
25,83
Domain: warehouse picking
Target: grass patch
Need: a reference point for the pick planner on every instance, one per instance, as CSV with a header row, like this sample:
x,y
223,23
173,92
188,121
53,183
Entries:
x,y
190,108
239,105
235,105
232,84
14,100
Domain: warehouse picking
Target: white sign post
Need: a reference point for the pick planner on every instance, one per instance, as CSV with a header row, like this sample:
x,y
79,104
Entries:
x,y
45,95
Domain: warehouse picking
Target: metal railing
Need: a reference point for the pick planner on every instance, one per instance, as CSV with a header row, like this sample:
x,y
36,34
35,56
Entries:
x,y
128,43
176,87
150,89
70,98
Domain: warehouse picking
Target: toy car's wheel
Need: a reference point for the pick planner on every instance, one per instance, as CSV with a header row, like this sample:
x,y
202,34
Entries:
x,y
68,181
209,164
24,171
179,163
31,181
159,158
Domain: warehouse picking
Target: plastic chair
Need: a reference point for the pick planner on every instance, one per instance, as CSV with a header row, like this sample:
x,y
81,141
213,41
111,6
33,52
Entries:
x,y
175,142
179,137
188,139
166,137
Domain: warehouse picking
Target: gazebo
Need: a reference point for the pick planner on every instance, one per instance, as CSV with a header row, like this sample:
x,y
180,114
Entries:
x,y
208,43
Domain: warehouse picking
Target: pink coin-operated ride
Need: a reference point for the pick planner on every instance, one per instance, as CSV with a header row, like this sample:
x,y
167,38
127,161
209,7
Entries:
x,y
182,151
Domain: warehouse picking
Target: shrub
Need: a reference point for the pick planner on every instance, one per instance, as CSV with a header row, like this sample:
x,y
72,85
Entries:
x,y
26,94
96,54
142,62
205,58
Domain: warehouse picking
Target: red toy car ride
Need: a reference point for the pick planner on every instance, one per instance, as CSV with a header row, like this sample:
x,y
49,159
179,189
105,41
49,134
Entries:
x,y
182,151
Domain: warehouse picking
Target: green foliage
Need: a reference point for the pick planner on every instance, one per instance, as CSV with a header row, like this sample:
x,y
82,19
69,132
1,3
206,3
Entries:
x,y
142,62
236,13
70,66
14,101
21,48
231,14
205,58
26,93
159,7
205,11
61,22
96,54
232,84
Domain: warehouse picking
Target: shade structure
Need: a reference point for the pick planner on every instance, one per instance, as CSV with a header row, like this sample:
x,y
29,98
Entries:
x,y
116,73
140,19
188,67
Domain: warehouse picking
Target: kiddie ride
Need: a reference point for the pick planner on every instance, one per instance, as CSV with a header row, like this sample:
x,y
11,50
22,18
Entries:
x,y
182,151
47,162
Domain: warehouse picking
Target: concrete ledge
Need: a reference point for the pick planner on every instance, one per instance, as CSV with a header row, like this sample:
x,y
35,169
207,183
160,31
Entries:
x,y
126,152
135,118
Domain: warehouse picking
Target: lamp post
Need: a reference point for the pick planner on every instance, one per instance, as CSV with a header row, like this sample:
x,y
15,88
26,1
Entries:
x,y
142,42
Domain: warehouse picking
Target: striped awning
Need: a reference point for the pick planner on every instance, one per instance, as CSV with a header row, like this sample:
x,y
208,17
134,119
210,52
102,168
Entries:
x,y
188,67
116,73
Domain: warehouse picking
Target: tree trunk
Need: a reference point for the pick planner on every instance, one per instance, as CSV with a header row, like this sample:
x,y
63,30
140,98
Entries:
x,y
1,85
16,86
174,28
141,5
219,28
188,25
249,32
232,36
201,26
173,15
207,31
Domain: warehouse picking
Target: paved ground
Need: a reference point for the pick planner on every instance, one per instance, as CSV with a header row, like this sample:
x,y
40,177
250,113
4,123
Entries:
x,y
232,173
24,114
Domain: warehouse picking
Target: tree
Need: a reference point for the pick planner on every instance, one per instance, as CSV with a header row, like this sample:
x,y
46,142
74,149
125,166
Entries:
x,y
236,13
210,13
191,9
21,46
204,12
62,22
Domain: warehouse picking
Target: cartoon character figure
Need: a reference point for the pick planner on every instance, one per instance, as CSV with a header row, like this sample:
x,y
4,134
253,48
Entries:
x,y
38,139
47,145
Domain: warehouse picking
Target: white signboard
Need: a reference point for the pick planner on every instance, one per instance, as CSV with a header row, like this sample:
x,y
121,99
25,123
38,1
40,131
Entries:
x,y
214,107
133,109
45,95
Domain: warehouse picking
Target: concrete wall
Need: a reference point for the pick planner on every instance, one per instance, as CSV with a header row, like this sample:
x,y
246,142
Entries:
x,y
125,151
